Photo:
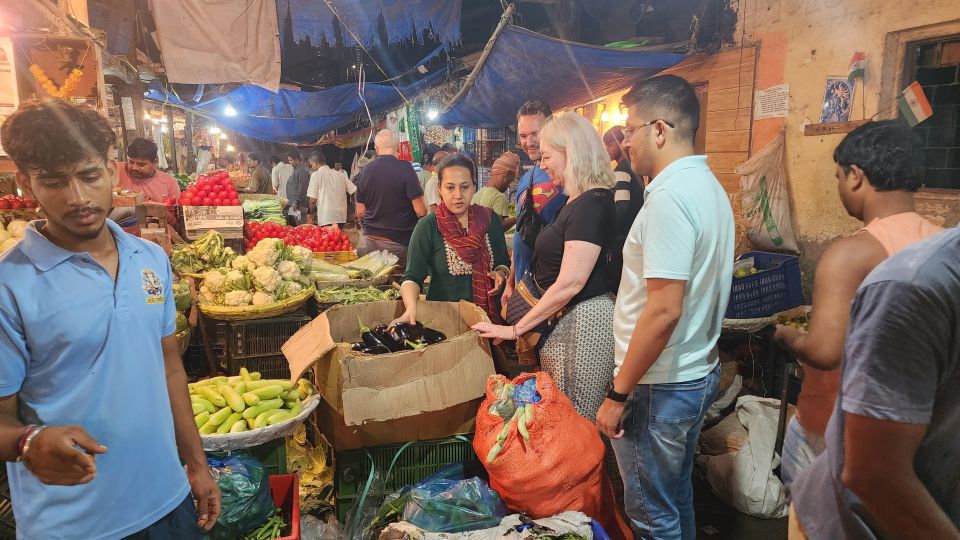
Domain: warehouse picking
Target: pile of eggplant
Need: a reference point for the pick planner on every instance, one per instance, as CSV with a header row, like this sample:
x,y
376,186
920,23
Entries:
x,y
399,337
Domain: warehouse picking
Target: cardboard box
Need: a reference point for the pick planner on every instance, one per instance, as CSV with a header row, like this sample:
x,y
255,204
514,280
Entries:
x,y
151,214
363,389
455,420
127,199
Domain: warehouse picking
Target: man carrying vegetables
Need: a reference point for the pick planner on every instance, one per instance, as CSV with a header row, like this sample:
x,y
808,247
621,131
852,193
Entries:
x,y
94,392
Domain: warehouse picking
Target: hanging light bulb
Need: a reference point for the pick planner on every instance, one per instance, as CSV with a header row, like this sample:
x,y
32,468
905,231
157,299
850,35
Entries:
x,y
229,110
214,130
163,128
223,136
432,114
146,116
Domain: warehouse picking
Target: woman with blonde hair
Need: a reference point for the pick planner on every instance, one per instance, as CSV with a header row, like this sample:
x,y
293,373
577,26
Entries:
x,y
563,305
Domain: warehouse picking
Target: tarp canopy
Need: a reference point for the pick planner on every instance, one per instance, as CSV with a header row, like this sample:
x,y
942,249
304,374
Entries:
x,y
524,65
290,116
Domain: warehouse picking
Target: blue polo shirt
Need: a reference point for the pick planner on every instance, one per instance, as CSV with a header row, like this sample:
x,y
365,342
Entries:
x,y
79,349
522,253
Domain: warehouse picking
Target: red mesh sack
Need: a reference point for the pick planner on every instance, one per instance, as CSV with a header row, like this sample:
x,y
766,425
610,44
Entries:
x,y
559,468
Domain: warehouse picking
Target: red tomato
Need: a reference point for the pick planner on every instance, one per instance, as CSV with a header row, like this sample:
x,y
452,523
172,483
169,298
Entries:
x,y
207,201
4,204
29,203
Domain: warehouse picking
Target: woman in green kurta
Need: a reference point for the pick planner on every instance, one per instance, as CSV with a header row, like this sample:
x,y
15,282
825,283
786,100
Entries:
x,y
461,247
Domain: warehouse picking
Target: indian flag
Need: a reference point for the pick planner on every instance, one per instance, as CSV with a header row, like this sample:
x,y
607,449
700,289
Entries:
x,y
914,105
857,66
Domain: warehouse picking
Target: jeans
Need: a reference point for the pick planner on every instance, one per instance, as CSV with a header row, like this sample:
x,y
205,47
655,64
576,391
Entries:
x,y
800,448
655,455
181,523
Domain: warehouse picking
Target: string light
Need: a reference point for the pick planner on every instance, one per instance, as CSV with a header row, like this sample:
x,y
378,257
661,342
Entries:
x,y
215,130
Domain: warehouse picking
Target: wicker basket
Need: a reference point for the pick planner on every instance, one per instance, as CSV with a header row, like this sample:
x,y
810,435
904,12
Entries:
x,y
244,313
183,340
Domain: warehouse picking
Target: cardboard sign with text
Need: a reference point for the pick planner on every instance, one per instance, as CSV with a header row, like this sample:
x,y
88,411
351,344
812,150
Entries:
x,y
228,220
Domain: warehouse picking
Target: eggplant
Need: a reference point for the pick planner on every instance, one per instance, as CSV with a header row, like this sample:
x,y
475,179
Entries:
x,y
408,332
432,336
378,349
358,346
369,338
383,334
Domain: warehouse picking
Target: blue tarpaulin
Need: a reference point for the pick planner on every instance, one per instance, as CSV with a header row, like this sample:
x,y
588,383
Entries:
x,y
296,117
524,65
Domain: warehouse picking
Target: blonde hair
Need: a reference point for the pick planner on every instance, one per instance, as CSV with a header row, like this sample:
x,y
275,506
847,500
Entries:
x,y
587,162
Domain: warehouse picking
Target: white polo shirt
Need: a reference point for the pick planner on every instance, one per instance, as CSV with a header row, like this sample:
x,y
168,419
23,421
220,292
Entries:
x,y
685,232
330,189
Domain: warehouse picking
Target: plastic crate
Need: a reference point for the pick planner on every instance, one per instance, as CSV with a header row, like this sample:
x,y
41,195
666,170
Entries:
x,y
417,461
256,344
272,454
285,489
774,288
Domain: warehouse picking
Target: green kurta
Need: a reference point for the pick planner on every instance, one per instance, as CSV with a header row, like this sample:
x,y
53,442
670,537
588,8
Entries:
x,y
427,254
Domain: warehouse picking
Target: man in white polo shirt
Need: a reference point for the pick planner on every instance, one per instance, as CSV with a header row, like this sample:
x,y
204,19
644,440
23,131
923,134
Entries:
x,y
677,272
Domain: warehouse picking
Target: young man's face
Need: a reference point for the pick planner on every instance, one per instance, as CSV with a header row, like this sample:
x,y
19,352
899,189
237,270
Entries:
x,y
75,200
293,161
141,168
528,130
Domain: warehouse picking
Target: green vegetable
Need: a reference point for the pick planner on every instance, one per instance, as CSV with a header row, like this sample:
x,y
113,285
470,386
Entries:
x,y
355,295
270,530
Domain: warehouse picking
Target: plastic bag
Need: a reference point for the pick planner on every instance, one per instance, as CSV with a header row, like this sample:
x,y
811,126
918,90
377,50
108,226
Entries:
x,y
454,506
557,466
766,203
246,500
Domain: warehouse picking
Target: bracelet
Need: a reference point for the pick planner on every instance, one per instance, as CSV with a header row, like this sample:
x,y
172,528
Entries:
x,y
26,444
23,439
514,332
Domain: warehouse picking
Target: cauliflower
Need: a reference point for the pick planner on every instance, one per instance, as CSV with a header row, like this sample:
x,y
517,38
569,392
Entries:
x,y
261,298
243,263
237,298
237,281
288,270
214,280
302,256
208,296
288,289
266,252
266,279
16,228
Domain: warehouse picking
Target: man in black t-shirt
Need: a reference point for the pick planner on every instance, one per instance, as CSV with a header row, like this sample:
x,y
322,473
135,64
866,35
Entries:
x,y
389,200
627,196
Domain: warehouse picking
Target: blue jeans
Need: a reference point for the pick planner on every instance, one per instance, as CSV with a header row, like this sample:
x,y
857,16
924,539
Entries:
x,y
180,523
661,426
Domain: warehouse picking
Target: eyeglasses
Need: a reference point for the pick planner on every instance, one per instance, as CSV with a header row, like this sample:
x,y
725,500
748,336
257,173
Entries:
x,y
628,131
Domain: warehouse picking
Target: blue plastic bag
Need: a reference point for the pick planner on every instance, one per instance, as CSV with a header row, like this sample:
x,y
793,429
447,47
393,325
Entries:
x,y
443,505
246,500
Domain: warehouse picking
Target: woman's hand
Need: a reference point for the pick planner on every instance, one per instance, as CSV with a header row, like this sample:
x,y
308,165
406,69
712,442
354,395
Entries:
x,y
507,292
496,332
409,316
498,281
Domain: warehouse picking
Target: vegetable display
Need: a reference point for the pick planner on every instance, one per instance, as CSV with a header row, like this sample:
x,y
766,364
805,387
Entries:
x,y
268,273
355,295
513,405
213,190
203,254
262,208
245,402
314,238
12,234
401,337
372,265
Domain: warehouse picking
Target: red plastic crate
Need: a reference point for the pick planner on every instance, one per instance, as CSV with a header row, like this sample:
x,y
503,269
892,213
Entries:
x,y
285,489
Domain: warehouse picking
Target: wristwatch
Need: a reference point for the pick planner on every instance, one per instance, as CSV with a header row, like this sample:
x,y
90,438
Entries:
x,y
612,394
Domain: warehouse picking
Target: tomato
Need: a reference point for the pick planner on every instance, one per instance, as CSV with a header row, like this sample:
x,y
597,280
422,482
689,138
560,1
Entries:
x,y
4,204
29,203
207,201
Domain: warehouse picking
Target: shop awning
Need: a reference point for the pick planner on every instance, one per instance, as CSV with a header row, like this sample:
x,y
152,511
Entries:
x,y
291,116
524,65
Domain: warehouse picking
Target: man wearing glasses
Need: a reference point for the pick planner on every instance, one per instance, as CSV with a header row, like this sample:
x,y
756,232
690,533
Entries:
x,y
677,272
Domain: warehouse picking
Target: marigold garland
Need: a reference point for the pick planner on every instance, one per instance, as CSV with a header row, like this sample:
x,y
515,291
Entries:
x,y
68,86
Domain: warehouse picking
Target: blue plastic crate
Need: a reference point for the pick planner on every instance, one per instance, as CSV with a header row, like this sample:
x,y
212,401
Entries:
x,y
774,288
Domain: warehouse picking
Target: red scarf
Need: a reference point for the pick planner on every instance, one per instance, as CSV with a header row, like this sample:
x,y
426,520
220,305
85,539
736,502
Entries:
x,y
471,246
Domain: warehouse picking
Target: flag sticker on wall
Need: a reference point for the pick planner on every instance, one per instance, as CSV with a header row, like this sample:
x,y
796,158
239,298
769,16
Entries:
x,y
914,105
858,65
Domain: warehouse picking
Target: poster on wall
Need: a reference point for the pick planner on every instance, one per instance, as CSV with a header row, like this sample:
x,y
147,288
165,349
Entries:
x,y
837,99
9,98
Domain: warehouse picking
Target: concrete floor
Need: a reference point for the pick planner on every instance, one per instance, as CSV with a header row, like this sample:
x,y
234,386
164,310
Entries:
x,y
717,521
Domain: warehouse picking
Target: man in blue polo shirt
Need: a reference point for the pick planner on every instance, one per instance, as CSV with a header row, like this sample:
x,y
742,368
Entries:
x,y
677,273
94,404
548,199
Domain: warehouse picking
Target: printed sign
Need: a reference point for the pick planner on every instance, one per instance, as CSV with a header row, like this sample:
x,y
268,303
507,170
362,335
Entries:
x,y
199,219
771,102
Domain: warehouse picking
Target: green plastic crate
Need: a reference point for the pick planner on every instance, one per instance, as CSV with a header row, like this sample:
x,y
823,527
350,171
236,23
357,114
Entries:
x,y
417,461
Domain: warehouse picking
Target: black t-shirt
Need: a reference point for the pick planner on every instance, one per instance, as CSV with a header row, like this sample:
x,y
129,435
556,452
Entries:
x,y
588,218
387,186
627,209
